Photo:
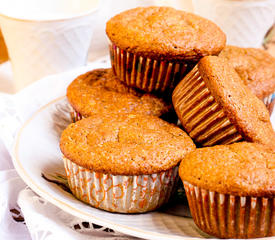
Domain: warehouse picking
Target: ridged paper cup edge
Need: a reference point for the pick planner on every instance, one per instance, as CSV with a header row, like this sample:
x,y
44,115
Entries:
x,y
118,193
269,101
149,75
229,216
200,114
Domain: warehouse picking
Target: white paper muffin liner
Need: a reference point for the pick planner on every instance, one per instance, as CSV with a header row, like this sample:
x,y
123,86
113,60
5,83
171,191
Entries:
x,y
228,216
118,193
269,102
75,116
200,114
145,73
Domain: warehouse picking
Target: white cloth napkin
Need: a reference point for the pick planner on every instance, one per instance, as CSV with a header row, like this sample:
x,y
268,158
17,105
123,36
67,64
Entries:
x,y
23,214
42,220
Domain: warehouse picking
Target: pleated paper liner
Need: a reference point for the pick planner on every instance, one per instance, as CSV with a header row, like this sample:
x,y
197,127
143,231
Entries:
x,y
75,116
123,194
269,101
228,216
199,113
145,73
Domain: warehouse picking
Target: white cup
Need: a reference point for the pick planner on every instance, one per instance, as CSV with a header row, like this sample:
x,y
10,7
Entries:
x,y
245,22
46,36
185,5
109,8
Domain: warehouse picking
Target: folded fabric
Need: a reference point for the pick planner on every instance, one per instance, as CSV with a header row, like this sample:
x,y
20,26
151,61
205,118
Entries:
x,y
23,214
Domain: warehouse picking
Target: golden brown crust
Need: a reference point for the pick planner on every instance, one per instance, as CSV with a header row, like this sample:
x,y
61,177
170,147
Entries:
x,y
99,91
125,144
256,68
242,107
3,49
165,33
242,169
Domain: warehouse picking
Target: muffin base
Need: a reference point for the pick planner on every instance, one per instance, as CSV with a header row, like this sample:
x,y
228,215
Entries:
x,y
118,193
228,216
200,114
145,73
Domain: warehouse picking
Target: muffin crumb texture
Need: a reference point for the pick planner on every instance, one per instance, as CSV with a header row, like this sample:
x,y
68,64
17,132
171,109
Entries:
x,y
241,106
255,66
125,144
165,33
99,91
242,169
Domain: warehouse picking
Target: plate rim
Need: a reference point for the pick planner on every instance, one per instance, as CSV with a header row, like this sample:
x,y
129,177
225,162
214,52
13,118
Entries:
x,y
68,208
132,231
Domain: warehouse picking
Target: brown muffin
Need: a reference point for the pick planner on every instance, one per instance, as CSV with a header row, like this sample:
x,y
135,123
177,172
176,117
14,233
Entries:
x,y
215,107
125,144
165,33
234,186
256,68
99,91
3,49
152,47
123,162
243,169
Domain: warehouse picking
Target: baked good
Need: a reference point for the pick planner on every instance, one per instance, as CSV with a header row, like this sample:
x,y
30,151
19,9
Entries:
x,y
3,49
231,189
215,107
99,91
152,48
123,162
256,68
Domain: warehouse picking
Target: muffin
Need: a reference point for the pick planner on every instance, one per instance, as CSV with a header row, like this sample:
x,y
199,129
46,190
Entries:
x,y
152,48
123,162
99,91
215,107
3,49
256,68
231,189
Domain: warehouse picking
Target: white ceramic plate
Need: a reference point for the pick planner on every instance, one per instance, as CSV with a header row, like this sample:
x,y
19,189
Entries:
x,y
37,151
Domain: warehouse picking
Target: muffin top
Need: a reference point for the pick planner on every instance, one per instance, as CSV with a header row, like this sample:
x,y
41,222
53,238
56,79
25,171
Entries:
x,y
99,91
255,66
125,144
241,106
165,33
243,169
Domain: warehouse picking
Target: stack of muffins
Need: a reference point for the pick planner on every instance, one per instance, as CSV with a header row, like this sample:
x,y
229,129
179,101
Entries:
x,y
122,153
